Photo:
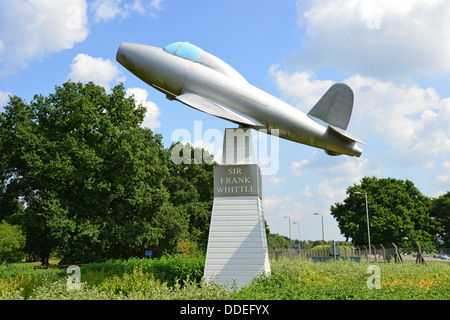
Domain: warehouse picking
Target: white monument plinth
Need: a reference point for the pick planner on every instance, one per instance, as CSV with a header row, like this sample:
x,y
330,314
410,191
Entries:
x,y
237,245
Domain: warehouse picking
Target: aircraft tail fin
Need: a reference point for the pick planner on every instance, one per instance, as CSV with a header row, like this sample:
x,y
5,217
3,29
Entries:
x,y
335,107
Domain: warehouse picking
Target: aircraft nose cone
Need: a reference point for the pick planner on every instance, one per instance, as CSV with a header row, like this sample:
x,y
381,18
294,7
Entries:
x,y
139,59
126,54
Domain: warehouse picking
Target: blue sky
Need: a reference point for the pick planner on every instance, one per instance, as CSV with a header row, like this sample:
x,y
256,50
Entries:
x,y
394,54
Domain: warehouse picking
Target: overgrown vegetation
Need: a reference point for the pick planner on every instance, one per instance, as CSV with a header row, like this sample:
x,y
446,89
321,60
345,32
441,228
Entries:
x,y
175,278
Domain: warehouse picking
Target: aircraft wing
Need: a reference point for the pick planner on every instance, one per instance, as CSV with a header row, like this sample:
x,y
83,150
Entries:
x,y
211,107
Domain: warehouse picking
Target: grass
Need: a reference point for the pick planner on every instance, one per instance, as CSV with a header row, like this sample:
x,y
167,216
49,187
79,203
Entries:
x,y
181,279
345,280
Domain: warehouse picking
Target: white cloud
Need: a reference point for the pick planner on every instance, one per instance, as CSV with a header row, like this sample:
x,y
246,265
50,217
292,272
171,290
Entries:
x,y
276,204
298,167
446,166
105,10
156,4
285,206
151,117
35,28
411,120
348,170
85,68
378,38
333,176
276,209
276,181
442,180
301,87
306,192
330,190
4,98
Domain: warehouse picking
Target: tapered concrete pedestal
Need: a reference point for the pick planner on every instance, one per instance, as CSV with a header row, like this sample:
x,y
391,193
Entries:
x,y
237,245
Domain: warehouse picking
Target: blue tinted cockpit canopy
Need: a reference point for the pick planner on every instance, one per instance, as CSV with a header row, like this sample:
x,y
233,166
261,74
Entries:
x,y
192,52
184,49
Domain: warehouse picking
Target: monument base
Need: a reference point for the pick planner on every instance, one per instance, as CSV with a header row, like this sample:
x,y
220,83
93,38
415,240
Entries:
x,y
237,246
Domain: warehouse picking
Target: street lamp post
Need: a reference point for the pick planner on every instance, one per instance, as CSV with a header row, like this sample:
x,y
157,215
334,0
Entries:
x,y
289,229
367,216
323,238
298,226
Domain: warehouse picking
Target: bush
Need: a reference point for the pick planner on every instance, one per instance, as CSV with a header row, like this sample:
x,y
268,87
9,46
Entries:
x,y
12,242
22,279
166,269
174,269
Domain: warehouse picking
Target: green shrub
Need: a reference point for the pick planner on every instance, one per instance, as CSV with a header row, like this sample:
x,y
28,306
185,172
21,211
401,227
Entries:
x,y
58,290
12,242
23,278
169,269
174,269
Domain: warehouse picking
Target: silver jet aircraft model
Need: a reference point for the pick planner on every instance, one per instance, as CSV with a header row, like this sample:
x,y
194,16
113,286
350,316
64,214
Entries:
x,y
186,73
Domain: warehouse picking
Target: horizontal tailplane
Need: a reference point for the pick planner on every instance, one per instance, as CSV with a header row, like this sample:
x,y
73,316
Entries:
x,y
344,134
349,139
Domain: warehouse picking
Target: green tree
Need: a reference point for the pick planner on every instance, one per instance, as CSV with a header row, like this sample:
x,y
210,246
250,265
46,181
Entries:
x,y
398,213
12,242
85,179
190,185
276,241
440,211
12,125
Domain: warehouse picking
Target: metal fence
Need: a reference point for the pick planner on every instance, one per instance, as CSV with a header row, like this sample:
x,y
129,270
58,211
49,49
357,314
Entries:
x,y
377,253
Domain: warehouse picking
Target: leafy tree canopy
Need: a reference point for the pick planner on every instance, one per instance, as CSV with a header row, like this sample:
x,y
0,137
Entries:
x,y
85,179
398,213
440,211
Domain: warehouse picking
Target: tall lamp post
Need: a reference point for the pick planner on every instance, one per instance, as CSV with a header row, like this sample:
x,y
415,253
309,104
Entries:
x,y
298,226
321,214
289,229
367,216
